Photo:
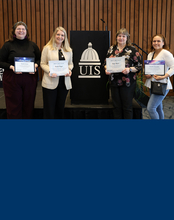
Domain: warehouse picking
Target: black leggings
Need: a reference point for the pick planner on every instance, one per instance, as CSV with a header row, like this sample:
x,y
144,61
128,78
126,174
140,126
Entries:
x,y
122,97
54,101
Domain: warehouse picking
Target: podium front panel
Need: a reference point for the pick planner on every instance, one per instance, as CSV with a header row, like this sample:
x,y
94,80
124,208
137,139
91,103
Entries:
x,y
89,81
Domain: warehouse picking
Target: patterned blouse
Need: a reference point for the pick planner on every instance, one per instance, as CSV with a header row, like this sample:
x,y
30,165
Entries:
x,y
132,59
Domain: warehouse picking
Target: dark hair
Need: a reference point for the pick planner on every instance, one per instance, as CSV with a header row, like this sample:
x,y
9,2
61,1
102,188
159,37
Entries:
x,y
125,32
12,32
163,39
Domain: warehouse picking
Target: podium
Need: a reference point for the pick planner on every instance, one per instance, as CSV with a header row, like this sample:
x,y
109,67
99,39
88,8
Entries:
x,y
89,81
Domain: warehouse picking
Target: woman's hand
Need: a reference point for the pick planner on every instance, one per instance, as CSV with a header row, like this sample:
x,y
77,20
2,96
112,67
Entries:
x,y
148,76
107,73
54,75
13,69
126,71
160,77
69,74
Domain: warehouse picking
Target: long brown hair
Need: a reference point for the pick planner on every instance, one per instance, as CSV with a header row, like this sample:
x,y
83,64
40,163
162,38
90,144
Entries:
x,y
12,35
125,32
163,39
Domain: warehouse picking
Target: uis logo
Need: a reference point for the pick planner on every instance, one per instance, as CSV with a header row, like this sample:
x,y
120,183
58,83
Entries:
x,y
89,63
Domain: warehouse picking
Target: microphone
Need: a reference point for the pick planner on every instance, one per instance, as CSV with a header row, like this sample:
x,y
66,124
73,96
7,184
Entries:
x,y
102,20
140,48
105,26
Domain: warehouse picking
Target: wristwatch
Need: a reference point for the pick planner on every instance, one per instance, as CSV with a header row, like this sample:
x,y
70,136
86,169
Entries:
x,y
130,70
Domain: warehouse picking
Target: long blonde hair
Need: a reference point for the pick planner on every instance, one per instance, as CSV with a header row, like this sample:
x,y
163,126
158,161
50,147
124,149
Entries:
x,y
125,32
65,44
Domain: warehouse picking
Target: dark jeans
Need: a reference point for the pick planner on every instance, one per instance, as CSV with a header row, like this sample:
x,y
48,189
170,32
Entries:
x,y
20,92
122,97
54,101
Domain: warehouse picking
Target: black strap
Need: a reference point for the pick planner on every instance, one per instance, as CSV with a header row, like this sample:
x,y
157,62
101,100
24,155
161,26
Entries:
x,y
153,55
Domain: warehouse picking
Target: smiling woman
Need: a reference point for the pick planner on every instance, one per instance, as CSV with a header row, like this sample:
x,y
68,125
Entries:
x,y
123,83
160,51
59,38
55,87
19,87
20,32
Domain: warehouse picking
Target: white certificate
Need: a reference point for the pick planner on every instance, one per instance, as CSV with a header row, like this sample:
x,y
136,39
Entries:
x,y
59,67
115,64
24,64
154,67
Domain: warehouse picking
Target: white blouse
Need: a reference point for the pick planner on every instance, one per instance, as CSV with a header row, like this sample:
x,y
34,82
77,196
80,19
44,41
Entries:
x,y
169,67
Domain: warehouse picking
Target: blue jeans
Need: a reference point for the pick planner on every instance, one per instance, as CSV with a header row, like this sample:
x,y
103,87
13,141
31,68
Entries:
x,y
155,106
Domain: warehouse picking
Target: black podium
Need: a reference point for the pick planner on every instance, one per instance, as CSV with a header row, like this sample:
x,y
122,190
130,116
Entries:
x,y
89,80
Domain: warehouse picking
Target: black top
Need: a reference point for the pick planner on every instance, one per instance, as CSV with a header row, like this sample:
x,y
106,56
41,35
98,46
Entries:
x,y
18,48
61,56
61,78
132,59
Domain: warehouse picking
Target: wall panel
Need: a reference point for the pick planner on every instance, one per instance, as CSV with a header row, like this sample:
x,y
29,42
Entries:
x,y
142,18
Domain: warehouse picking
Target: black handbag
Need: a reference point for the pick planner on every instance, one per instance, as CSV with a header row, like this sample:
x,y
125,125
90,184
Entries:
x,y
158,88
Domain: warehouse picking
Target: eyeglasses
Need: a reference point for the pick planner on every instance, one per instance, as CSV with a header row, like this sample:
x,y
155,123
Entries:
x,y
20,29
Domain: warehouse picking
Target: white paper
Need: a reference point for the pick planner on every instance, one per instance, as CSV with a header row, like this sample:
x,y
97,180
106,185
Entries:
x,y
115,64
59,67
154,69
24,67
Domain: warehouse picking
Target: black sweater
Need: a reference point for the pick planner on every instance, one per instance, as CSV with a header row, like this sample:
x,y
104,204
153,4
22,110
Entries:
x,y
18,48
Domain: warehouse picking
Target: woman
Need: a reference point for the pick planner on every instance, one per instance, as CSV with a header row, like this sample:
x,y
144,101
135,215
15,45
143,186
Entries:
x,y
159,52
55,88
19,87
123,84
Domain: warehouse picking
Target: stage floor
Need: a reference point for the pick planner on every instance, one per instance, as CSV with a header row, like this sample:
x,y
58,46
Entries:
x,y
74,111
168,104
39,101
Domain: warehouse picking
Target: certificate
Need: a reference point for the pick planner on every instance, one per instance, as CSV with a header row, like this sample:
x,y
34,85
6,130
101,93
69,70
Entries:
x,y
59,67
115,64
24,64
154,67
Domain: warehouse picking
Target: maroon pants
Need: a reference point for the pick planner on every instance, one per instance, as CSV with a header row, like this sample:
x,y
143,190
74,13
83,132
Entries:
x,y
20,92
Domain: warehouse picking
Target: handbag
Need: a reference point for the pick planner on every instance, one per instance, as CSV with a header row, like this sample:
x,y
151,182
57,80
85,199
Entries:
x,y
158,88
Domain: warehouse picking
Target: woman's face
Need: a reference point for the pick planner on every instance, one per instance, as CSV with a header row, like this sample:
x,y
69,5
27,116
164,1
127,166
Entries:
x,y
60,37
121,39
20,32
157,43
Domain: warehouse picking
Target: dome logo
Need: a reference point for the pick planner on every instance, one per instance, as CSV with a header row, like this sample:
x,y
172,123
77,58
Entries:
x,y
89,63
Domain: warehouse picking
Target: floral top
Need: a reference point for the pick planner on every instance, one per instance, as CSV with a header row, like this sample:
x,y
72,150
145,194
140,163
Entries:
x,y
132,59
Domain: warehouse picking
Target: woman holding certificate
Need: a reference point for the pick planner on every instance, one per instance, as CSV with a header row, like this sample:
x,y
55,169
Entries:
x,y
159,52
19,57
123,62
56,61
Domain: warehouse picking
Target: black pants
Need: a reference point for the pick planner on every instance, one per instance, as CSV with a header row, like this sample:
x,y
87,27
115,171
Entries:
x,y
54,101
122,97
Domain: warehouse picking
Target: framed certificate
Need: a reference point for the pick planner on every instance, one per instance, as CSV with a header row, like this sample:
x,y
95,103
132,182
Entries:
x,y
115,64
154,67
24,64
59,67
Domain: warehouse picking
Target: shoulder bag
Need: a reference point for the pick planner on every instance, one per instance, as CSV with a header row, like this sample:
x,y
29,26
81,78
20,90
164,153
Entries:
x,y
158,88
